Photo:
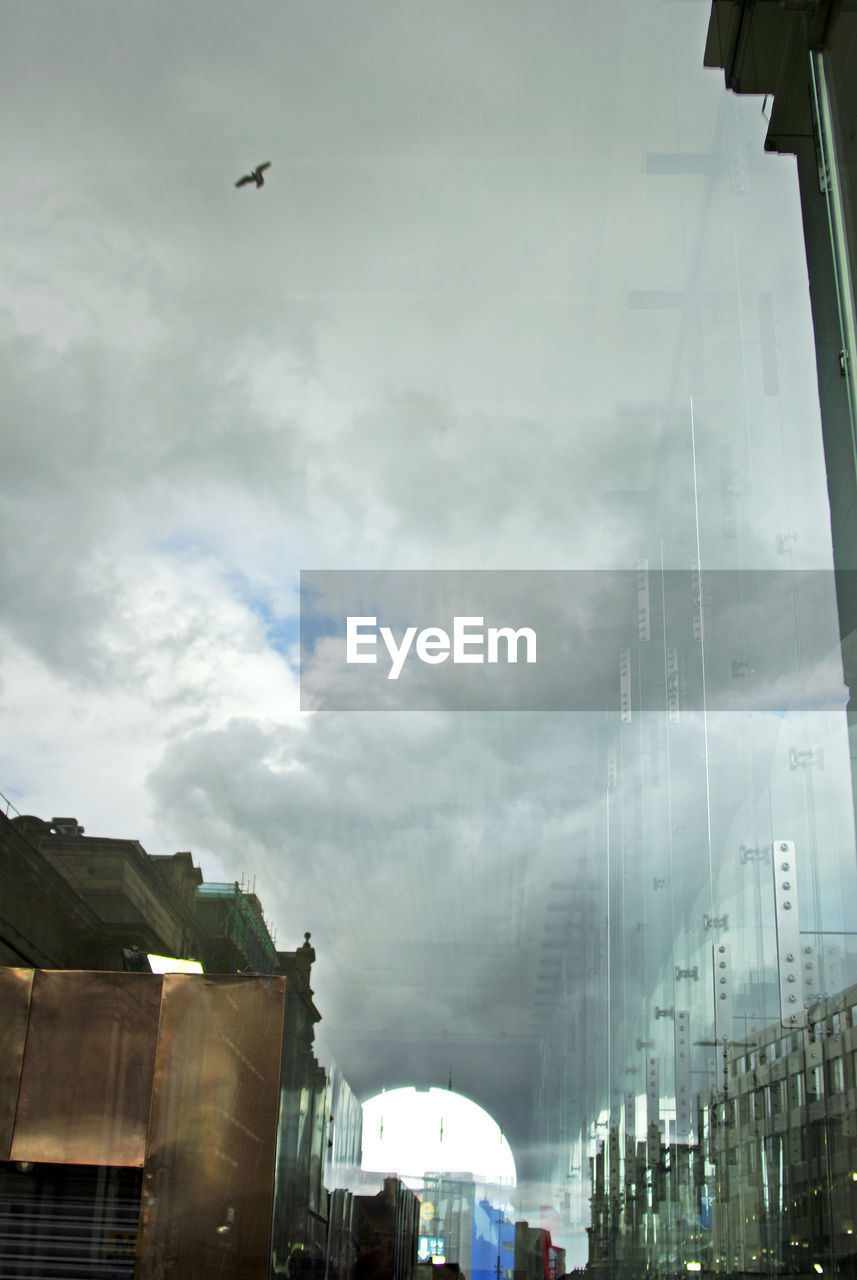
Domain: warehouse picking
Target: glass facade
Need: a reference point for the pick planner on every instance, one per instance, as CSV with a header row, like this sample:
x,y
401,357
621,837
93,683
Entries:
x,y
522,288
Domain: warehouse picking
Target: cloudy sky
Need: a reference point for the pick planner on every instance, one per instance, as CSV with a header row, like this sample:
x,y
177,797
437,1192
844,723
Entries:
x,y
473,320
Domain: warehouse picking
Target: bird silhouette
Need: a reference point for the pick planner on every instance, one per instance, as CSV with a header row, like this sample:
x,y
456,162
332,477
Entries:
x,y
255,175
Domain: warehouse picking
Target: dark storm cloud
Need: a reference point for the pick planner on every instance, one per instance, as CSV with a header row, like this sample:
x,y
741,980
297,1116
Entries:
x,y
482,813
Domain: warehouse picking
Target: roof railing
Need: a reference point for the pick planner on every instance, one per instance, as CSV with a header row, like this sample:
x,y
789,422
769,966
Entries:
x,y
8,805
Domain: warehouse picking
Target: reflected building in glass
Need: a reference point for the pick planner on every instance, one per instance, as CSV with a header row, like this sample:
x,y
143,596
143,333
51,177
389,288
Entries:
x,y
706,1059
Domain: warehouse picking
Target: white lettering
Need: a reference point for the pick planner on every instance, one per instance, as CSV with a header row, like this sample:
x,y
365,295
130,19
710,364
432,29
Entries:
x,y
433,645
461,639
353,639
511,637
398,654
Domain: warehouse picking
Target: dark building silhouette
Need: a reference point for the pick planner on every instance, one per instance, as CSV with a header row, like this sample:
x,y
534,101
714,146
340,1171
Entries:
x,y
235,937
439,1271
387,1232
536,1256
44,922
75,901
803,56
301,1219
246,1170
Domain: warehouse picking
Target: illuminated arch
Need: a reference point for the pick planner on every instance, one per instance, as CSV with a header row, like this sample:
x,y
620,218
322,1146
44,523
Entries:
x,y
411,1132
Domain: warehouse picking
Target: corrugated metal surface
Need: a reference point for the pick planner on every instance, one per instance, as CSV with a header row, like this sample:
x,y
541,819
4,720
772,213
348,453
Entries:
x,y
68,1222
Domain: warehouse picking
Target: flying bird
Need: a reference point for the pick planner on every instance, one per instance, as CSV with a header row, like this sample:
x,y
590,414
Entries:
x,y
255,175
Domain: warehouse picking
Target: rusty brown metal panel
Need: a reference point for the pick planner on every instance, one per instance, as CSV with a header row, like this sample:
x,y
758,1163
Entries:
x,y
15,988
87,1071
208,1182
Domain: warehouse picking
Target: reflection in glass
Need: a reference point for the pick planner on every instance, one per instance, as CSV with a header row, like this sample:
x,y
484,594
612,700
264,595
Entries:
x,y
523,295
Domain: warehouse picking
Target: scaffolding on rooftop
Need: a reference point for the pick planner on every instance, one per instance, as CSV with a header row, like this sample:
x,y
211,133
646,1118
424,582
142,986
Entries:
x,y
240,922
